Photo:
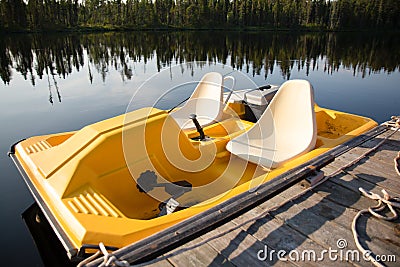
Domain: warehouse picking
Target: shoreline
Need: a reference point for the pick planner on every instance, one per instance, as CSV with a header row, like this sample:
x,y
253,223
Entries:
x,y
103,29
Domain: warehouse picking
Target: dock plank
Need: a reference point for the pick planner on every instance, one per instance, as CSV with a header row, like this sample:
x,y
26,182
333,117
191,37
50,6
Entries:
x,y
161,261
371,171
278,235
343,218
241,249
196,253
348,198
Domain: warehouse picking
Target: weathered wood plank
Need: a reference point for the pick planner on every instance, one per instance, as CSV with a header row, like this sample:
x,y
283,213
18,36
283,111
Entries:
x,y
319,228
161,261
372,171
367,180
238,246
277,235
353,183
197,253
376,229
377,163
346,220
344,217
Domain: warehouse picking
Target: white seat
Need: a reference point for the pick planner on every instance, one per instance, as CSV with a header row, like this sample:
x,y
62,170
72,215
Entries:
x,y
285,130
206,102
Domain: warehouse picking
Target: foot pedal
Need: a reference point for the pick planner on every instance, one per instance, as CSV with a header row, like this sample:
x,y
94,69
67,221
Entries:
x,y
169,207
315,178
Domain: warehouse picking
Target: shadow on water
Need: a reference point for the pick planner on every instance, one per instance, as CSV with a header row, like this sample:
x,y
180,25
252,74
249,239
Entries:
x,y
50,249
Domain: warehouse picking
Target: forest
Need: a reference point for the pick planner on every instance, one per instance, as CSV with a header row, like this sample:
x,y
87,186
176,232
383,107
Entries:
x,y
333,15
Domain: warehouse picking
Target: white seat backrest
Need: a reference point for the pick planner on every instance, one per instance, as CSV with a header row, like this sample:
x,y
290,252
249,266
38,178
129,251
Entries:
x,y
206,102
286,129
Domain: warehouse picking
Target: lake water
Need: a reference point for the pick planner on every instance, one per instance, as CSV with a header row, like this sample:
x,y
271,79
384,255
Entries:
x,y
57,82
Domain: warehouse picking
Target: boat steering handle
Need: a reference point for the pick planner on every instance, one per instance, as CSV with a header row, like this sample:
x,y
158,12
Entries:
x,y
193,117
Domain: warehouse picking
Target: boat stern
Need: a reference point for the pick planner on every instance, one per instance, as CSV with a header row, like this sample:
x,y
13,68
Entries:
x,y
20,155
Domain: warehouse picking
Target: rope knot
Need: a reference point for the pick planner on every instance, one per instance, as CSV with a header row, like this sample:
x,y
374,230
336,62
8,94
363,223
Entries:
x,y
383,202
394,122
111,260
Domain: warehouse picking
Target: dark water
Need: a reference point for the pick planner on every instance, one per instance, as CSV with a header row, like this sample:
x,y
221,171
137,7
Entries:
x,y
55,82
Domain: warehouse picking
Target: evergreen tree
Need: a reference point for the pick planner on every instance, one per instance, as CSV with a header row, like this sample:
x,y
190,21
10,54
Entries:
x,y
328,14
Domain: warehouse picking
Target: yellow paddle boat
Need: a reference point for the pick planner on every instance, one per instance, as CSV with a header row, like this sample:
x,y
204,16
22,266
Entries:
x,y
123,179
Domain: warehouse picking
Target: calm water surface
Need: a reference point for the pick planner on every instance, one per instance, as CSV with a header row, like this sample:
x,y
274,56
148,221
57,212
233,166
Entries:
x,y
52,83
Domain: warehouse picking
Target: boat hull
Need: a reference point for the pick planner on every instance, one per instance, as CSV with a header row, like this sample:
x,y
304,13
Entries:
x,y
87,183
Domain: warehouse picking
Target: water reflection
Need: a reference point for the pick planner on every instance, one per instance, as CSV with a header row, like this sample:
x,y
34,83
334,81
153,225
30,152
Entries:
x,y
50,55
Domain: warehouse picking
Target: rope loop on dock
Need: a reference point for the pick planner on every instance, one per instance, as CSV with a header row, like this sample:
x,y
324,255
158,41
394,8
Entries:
x,y
108,261
383,202
386,201
111,260
394,123
397,163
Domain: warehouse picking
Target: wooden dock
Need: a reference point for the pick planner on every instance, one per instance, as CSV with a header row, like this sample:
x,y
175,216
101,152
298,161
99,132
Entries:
x,y
317,222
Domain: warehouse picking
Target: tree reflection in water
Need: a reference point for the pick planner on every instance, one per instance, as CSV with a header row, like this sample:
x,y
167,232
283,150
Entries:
x,y
36,56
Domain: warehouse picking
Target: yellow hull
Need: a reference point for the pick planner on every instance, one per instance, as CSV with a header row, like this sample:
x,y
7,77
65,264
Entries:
x,y
88,179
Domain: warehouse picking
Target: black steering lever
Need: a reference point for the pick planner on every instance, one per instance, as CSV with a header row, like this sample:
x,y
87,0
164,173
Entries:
x,y
193,117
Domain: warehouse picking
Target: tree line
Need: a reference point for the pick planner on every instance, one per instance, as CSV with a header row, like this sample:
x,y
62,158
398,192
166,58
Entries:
x,y
208,14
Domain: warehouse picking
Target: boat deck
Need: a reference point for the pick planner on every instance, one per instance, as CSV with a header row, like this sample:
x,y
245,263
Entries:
x,y
318,221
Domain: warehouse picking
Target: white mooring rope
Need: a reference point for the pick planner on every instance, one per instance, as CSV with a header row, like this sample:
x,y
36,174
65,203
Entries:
x,y
111,260
383,202
386,201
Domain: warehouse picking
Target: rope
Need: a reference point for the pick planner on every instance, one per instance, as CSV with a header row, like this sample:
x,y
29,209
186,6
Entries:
x,y
397,163
386,201
109,259
383,202
89,259
394,122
